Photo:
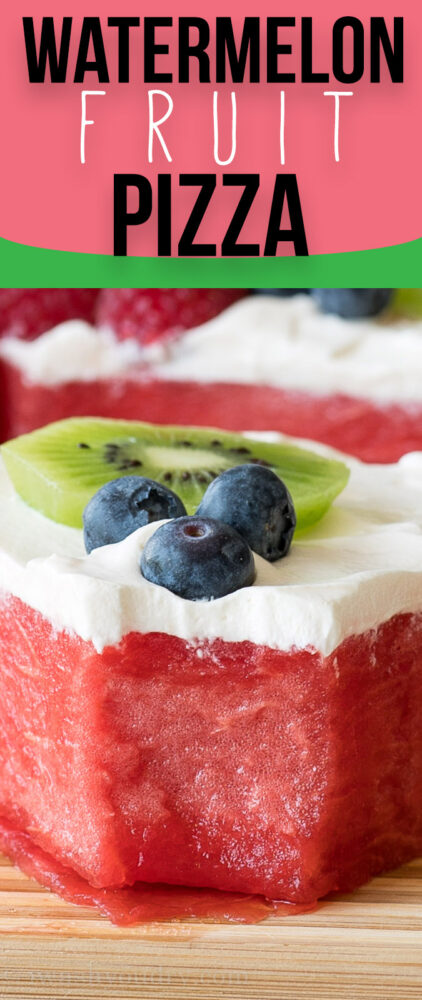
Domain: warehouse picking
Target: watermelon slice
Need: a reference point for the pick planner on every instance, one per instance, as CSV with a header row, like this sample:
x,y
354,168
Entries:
x,y
140,903
371,431
374,431
283,774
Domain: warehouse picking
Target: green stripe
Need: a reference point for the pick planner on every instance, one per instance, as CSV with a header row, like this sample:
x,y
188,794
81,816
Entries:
x,y
30,267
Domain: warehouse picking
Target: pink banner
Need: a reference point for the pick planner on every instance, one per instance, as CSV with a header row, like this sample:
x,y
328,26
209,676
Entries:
x,y
346,141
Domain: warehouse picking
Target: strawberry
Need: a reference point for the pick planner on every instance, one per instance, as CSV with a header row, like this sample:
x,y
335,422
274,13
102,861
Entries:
x,y
28,312
150,314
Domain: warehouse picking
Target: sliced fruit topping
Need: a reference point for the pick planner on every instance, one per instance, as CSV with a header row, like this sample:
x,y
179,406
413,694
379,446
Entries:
x,y
407,302
198,558
255,501
29,312
149,314
125,504
352,303
58,468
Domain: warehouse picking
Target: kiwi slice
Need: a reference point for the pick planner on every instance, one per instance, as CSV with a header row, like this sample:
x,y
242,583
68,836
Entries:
x,y
407,303
58,468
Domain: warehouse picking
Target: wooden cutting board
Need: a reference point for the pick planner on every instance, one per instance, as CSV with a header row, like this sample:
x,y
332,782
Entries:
x,y
367,945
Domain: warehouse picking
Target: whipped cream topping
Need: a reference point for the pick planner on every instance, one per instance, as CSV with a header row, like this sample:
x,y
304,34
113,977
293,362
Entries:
x,y
72,351
291,344
355,569
286,343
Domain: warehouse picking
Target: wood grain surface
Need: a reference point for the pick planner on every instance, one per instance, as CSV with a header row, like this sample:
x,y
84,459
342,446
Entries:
x,y
367,945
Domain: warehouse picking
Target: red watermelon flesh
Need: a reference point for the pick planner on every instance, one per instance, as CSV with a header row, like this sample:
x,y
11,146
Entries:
x,y
244,769
142,902
371,431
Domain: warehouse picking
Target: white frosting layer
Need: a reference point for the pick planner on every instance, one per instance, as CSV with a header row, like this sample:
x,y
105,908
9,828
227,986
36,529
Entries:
x,y
72,351
291,344
358,567
285,343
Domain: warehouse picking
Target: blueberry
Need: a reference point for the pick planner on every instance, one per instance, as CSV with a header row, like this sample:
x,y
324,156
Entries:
x,y
282,293
125,504
198,558
257,504
352,303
